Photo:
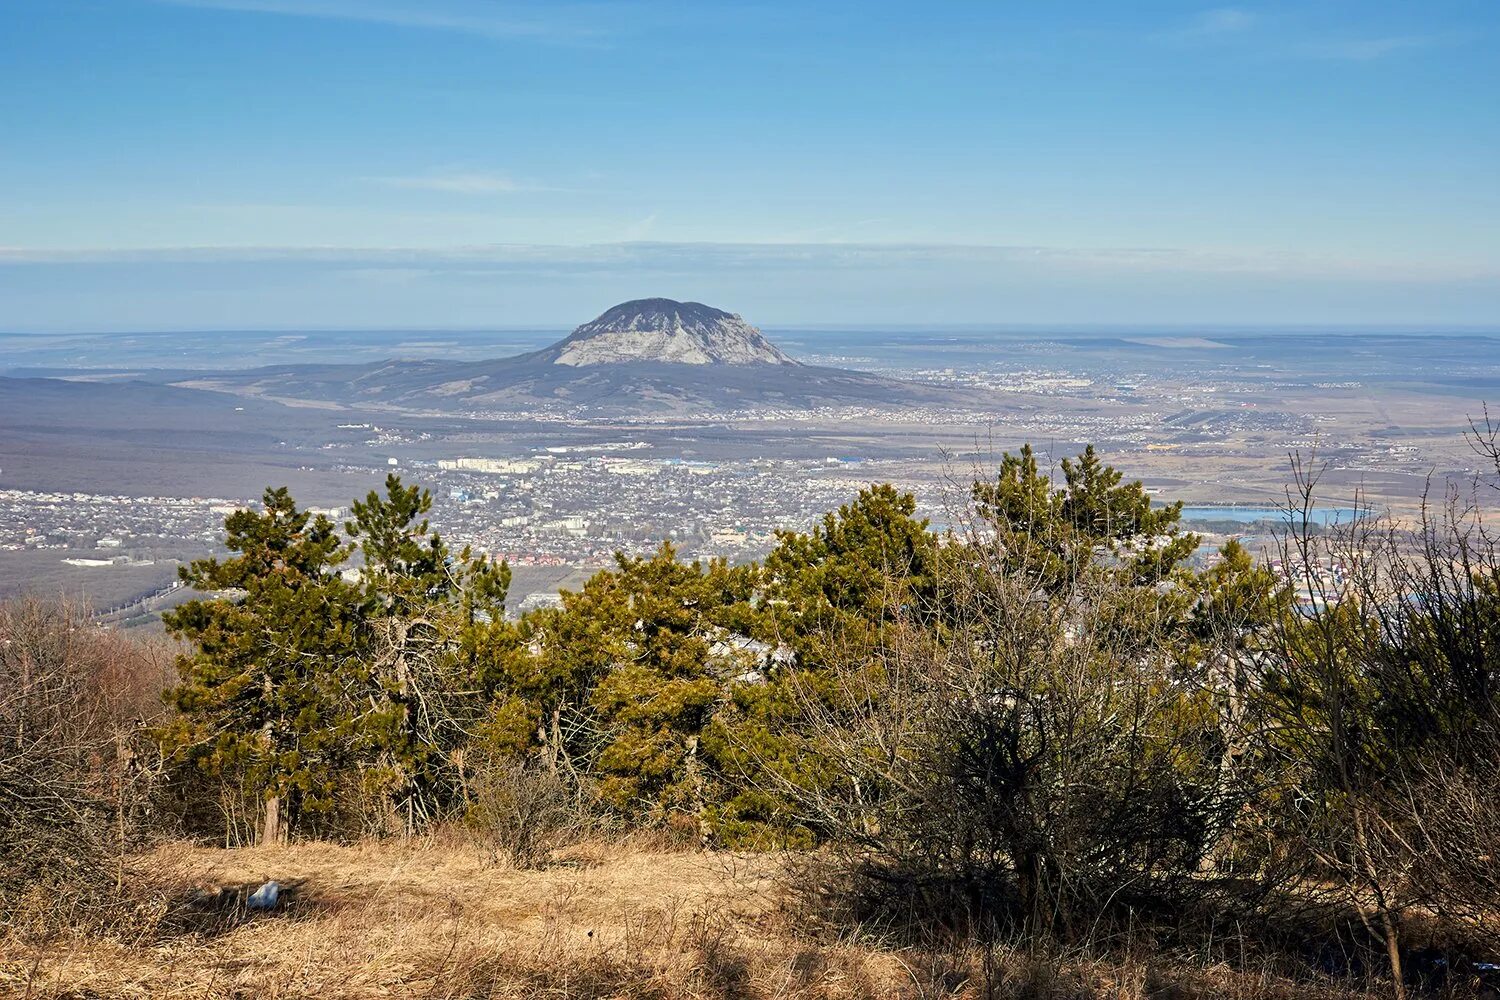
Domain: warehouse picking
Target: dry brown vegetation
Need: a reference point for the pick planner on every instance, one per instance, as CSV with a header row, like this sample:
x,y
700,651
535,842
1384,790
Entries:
x,y
438,918
72,698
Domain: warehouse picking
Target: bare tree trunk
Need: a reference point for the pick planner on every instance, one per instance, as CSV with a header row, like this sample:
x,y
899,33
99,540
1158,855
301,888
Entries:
x,y
273,830
557,740
700,803
121,770
551,737
1388,929
1393,950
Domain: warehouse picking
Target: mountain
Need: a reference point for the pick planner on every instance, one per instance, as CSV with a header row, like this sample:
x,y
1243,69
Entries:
x,y
655,357
684,333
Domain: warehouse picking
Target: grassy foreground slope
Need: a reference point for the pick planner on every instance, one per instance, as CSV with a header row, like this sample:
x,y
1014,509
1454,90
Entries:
x,y
437,919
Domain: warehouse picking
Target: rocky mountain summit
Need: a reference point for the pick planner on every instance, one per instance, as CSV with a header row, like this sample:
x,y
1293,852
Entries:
x,y
667,331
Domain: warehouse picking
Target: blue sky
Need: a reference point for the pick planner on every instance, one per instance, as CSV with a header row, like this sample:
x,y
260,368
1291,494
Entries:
x,y
449,163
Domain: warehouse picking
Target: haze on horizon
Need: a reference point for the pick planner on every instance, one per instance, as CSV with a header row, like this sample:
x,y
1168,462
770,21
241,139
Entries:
x,y
234,164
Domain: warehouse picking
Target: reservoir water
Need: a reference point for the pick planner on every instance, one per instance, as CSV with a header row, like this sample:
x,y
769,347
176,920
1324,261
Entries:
x,y
1250,515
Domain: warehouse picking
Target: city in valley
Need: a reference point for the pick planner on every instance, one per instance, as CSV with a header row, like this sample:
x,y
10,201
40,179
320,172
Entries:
x,y
120,455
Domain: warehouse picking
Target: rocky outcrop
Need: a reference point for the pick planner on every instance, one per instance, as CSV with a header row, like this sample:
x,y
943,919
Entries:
x,y
666,331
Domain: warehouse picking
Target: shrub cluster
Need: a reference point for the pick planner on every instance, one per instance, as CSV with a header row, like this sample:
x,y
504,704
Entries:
x,y
1044,717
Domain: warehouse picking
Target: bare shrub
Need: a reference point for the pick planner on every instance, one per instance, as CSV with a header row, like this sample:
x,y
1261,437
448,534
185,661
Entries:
x,y
1031,757
523,810
1382,700
74,777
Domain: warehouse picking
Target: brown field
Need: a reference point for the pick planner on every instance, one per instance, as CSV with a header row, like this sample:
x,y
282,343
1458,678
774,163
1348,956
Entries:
x,y
446,920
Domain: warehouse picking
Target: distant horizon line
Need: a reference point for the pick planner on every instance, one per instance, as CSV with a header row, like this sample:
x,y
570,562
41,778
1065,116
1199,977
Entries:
x,y
1124,254
1059,328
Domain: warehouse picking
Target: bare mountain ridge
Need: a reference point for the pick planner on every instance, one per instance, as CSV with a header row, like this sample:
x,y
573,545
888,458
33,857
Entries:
x,y
654,357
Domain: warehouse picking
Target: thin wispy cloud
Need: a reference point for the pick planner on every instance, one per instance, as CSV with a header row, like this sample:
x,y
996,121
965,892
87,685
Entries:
x,y
1366,49
640,229
1248,29
471,182
1213,24
1220,21
472,17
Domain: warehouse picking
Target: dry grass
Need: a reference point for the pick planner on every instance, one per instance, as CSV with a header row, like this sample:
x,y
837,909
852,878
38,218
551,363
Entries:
x,y
439,920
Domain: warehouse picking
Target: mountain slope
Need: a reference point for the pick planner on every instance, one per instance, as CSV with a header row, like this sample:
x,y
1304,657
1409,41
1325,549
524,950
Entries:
x,y
645,357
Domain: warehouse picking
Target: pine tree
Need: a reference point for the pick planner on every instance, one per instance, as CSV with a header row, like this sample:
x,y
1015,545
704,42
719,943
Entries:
x,y
647,650
1093,521
405,562
262,689
827,594
856,567
432,628
305,683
